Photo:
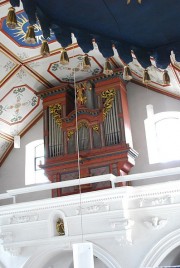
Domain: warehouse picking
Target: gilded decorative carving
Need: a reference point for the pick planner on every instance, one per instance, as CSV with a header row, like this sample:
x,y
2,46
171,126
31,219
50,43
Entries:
x,y
81,98
70,133
55,110
82,124
60,226
129,1
109,96
96,128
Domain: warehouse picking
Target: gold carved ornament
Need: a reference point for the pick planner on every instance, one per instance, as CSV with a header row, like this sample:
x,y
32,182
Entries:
x,y
69,134
109,96
96,128
81,99
82,124
55,110
60,227
129,1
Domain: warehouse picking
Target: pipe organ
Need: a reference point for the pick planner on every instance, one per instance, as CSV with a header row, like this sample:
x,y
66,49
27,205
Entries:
x,y
91,118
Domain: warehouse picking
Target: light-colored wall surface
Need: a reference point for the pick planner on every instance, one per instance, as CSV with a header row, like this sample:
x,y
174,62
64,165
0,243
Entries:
x,y
12,172
138,98
130,227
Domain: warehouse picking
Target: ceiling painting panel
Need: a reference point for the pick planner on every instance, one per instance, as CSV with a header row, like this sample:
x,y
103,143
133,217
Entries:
x,y
7,65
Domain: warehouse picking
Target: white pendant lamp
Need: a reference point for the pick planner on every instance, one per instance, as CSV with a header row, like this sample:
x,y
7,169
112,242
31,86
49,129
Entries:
x,y
17,142
83,255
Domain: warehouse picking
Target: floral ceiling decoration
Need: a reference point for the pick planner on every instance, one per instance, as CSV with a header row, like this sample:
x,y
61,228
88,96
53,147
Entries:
x,y
124,32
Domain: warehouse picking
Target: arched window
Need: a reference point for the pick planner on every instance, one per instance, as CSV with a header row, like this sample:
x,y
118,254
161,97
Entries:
x,y
162,135
34,157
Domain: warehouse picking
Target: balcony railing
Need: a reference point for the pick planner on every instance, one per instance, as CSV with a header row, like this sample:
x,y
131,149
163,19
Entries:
x,y
108,177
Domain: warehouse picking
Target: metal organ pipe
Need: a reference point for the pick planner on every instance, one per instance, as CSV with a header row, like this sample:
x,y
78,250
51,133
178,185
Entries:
x,y
50,133
115,117
111,125
117,121
55,137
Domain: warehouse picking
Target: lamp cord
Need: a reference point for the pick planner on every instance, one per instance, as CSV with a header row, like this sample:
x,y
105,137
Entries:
x,y
78,157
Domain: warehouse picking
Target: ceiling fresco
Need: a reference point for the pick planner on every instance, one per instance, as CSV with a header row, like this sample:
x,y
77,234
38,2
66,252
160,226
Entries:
x,y
24,72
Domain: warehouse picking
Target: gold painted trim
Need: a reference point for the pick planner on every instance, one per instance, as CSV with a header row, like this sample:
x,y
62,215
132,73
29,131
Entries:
x,y
70,133
55,110
96,128
109,96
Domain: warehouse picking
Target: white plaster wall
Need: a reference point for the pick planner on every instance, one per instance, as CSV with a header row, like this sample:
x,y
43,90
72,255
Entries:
x,y
147,244
12,172
172,258
138,98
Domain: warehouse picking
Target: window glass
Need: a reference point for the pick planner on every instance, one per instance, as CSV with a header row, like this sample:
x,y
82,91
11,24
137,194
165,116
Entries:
x,y
168,142
162,135
34,158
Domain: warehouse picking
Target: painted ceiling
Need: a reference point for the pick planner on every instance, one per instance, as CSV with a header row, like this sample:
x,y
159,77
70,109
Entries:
x,y
141,29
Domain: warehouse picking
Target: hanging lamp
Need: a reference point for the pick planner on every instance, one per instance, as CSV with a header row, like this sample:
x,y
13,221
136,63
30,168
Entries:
x,y
17,141
83,255
129,1
45,49
107,68
11,20
146,77
64,59
127,73
166,78
86,64
30,37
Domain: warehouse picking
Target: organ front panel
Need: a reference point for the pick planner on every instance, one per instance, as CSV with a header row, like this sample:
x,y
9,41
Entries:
x,y
92,118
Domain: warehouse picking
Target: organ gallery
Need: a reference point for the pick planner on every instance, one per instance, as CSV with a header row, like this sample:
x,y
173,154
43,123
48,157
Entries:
x,y
87,132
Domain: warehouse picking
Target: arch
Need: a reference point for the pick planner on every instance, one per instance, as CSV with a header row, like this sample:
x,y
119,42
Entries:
x,y
105,257
161,249
2,265
43,255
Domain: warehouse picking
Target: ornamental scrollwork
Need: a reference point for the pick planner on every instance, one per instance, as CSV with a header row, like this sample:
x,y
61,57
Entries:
x,y
70,133
60,227
82,124
80,93
55,110
96,128
109,96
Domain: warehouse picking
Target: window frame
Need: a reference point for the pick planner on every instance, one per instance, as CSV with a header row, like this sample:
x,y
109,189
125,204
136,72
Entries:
x,y
150,124
30,163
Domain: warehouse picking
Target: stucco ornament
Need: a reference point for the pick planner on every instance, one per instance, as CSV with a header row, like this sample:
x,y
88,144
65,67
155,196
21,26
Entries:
x,y
155,223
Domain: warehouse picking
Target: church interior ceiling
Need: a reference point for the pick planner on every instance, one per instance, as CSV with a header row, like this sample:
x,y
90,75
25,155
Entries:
x,y
142,35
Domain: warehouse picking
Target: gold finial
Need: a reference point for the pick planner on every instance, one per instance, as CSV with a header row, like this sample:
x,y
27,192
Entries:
x,y
11,20
64,59
30,35
129,1
45,49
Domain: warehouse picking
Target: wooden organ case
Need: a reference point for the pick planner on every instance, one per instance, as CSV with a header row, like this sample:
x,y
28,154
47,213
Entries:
x,y
104,135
